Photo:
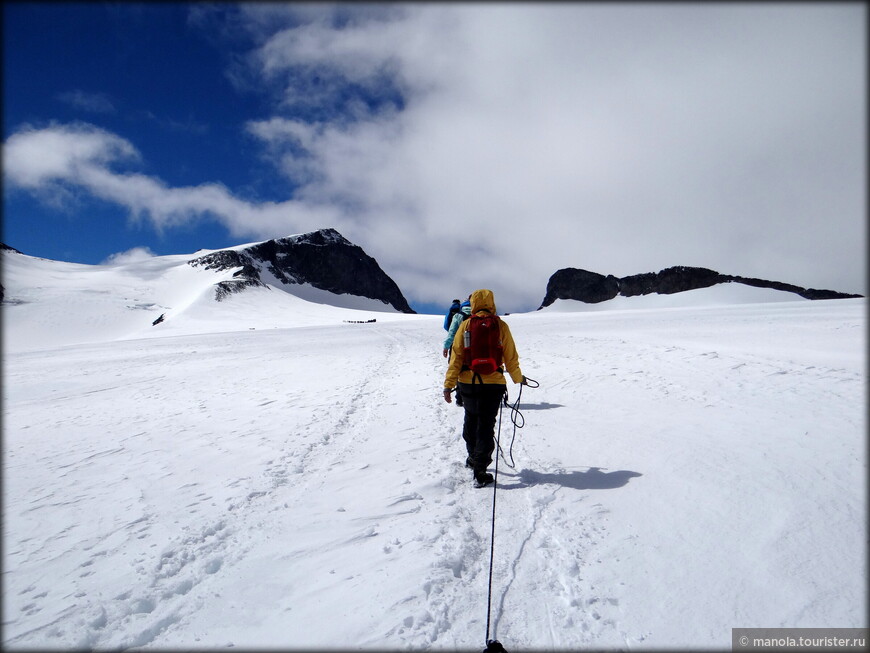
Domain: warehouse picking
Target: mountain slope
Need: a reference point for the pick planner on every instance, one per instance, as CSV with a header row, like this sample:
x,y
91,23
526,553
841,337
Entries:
x,y
259,285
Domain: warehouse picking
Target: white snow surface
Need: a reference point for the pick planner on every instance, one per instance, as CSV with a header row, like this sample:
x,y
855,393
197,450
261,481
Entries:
x,y
263,473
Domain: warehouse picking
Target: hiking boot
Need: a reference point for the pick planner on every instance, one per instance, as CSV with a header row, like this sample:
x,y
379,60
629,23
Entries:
x,y
469,463
482,478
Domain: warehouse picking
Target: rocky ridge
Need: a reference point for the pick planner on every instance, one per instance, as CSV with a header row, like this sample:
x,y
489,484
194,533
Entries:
x,y
593,288
325,259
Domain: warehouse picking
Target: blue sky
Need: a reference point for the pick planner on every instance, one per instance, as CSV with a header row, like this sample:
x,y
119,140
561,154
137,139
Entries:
x,y
463,146
143,72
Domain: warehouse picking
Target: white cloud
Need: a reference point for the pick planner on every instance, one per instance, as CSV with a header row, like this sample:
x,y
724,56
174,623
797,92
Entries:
x,y
134,255
34,157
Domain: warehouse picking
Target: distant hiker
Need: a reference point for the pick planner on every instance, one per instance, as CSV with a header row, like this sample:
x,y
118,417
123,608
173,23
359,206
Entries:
x,y
454,307
481,351
458,317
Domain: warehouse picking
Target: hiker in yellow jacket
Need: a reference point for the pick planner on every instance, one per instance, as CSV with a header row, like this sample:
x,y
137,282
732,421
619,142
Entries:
x,y
482,393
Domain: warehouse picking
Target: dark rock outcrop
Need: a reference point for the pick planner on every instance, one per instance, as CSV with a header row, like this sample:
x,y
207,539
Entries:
x,y
324,259
589,287
593,288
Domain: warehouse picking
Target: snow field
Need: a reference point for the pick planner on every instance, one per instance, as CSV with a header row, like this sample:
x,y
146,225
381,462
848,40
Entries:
x,y
51,304
681,472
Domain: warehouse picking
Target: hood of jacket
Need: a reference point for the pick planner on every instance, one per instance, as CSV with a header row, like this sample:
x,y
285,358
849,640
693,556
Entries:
x,y
482,300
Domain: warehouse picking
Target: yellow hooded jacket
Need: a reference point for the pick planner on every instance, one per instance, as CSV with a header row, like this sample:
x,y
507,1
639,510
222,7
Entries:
x,y
482,300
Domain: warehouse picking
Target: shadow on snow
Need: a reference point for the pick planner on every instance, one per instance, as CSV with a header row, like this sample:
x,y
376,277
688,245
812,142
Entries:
x,y
592,479
541,405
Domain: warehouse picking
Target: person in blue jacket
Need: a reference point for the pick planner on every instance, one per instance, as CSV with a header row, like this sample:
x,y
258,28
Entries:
x,y
460,315
458,318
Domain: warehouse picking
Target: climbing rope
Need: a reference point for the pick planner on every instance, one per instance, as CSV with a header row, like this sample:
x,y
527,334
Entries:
x,y
517,418
489,642
492,645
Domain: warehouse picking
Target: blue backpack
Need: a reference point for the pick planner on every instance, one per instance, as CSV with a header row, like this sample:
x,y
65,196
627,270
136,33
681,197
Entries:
x,y
448,319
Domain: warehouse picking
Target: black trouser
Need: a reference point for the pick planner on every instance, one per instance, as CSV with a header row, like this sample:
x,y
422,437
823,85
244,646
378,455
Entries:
x,y
481,403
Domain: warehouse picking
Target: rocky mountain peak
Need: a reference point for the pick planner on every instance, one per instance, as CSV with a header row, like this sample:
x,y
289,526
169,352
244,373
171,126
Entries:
x,y
324,259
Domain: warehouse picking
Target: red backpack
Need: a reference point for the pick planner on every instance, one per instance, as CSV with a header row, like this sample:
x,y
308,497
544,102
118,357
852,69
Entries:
x,y
481,344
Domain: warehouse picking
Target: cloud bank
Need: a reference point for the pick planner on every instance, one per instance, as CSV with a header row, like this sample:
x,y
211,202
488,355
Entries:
x,y
135,255
488,145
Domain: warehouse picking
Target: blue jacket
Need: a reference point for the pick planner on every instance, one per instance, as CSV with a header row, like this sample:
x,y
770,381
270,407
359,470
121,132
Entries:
x,y
464,311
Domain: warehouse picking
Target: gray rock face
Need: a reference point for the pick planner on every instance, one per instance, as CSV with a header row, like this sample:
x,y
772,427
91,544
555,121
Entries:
x,y
585,286
592,288
324,259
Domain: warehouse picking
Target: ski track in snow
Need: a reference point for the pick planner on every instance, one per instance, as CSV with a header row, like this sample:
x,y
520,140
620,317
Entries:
x,y
306,488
